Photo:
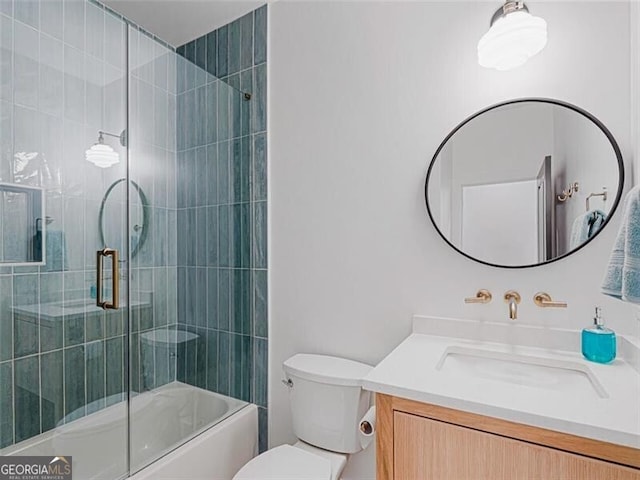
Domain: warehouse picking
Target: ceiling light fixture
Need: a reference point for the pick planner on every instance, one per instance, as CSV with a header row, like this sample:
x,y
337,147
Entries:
x,y
514,37
101,154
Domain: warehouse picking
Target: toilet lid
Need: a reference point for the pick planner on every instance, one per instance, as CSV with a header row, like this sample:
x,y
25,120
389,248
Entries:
x,y
286,463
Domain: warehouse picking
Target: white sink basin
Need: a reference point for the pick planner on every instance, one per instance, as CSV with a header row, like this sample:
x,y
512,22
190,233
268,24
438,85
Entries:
x,y
519,373
554,375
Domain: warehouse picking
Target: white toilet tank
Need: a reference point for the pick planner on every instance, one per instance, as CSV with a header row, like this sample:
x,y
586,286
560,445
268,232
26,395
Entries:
x,y
327,400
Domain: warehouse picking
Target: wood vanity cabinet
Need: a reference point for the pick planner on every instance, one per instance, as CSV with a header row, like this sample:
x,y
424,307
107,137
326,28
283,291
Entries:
x,y
418,441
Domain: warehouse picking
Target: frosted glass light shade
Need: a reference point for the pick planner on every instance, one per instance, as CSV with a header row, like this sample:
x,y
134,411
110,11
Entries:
x,y
102,155
512,40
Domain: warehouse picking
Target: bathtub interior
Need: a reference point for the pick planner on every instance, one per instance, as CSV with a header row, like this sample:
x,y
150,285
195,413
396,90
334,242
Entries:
x,y
161,421
178,413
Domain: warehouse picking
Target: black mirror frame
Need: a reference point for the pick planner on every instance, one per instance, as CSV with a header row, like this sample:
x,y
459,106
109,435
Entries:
x,y
576,109
145,214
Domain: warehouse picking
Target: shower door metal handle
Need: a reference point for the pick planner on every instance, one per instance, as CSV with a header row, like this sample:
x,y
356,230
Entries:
x,y
115,279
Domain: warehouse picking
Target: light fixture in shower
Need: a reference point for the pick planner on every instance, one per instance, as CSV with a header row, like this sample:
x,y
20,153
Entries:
x,y
101,154
514,36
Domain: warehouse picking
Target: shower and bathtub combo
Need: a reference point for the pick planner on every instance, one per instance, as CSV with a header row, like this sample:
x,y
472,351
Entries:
x,y
194,433
131,248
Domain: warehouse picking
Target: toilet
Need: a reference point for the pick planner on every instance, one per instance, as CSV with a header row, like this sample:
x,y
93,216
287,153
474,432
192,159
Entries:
x,y
327,404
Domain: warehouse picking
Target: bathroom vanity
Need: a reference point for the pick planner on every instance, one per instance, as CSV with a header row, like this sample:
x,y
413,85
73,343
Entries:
x,y
452,405
424,441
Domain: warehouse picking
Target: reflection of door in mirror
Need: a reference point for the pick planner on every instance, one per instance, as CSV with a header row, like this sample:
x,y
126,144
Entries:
x,y
499,221
546,228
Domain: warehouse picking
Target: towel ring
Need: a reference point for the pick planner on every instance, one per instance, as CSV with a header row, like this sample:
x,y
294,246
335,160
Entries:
x,y
603,194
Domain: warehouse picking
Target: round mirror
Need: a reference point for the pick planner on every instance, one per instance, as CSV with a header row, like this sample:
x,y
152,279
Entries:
x,y
111,220
524,183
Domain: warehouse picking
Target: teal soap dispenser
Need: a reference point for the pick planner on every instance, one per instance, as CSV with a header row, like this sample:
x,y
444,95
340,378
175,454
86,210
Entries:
x,y
598,342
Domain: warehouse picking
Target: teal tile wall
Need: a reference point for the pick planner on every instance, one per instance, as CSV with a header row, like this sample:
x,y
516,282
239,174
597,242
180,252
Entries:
x,y
6,400
153,166
222,211
58,87
54,87
198,152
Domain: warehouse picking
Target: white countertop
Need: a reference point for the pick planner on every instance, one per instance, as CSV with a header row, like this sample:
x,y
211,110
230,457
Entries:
x,y
58,310
410,372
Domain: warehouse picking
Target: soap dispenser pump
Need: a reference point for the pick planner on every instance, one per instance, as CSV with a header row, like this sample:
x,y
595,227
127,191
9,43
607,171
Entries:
x,y
598,342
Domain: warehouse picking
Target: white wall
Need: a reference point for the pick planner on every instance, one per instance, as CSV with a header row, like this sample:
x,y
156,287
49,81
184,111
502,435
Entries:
x,y
180,21
361,95
505,145
581,154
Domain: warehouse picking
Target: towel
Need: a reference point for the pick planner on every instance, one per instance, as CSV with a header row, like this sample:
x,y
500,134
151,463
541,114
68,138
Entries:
x,y
56,251
586,226
37,246
597,221
622,278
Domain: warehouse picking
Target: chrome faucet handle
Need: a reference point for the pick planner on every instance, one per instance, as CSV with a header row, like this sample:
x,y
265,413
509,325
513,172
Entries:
x,y
543,300
482,296
513,298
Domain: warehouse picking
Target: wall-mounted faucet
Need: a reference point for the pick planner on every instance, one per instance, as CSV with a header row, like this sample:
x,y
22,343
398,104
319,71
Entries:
x,y
513,299
544,300
482,296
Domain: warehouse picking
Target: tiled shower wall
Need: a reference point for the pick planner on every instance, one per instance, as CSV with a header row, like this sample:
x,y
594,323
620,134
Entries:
x,y
152,166
63,78
58,87
222,214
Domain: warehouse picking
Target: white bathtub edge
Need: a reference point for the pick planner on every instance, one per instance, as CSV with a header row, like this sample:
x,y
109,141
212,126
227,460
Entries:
x,y
216,454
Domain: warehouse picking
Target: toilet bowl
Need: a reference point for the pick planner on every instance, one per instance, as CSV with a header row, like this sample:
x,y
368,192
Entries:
x,y
294,462
327,403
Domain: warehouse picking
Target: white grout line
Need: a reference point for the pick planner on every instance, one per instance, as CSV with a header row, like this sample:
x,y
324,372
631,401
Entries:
x,y
13,135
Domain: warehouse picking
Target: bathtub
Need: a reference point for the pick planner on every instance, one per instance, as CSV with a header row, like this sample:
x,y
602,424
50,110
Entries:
x,y
172,422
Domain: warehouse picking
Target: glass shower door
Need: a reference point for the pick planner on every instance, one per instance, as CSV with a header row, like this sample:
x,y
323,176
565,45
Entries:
x,y
63,359
190,153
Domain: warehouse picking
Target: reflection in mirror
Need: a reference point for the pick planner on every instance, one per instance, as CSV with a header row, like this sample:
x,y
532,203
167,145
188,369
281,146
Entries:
x,y
112,221
524,183
22,225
